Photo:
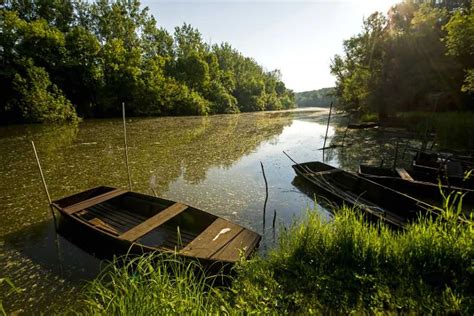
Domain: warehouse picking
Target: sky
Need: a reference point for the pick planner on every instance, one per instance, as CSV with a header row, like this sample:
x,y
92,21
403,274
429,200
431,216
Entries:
x,y
297,37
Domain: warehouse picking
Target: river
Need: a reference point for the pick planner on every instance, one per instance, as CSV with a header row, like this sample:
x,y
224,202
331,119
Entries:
x,y
212,163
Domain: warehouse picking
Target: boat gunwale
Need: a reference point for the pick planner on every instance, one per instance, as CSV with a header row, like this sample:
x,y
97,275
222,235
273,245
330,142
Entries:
x,y
369,176
423,205
144,247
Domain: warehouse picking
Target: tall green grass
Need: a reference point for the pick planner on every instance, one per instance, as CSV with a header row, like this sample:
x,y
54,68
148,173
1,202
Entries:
x,y
342,266
152,284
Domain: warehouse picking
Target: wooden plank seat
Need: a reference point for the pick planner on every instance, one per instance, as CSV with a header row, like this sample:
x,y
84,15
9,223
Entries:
x,y
215,237
243,244
404,174
153,222
322,173
93,201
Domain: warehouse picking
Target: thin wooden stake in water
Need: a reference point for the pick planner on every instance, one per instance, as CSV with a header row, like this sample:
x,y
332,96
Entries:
x,y
396,156
44,184
327,129
56,239
274,218
273,224
266,194
41,173
126,147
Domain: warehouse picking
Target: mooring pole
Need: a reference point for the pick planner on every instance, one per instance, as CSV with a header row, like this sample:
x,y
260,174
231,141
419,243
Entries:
x,y
126,147
45,187
395,158
273,224
56,239
274,218
327,129
266,195
41,173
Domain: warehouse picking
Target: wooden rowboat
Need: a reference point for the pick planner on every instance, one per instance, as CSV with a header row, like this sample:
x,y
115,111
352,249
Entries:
x,y
129,222
407,182
363,125
448,168
377,201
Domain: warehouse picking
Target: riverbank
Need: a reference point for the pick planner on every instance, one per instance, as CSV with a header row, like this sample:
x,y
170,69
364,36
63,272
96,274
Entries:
x,y
343,266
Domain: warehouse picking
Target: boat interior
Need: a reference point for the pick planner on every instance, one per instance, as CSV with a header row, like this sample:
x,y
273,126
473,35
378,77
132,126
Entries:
x,y
360,189
149,221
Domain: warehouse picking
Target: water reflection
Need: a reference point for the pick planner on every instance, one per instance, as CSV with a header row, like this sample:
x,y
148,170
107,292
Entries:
x,y
375,146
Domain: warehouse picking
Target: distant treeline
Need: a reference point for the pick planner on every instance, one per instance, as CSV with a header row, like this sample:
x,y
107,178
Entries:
x,y
322,97
60,59
417,57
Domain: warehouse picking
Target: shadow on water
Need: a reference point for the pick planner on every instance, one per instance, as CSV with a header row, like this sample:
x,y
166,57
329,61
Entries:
x,y
375,146
45,267
324,205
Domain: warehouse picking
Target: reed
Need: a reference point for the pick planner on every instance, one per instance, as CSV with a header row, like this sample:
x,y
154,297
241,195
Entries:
x,y
8,288
152,284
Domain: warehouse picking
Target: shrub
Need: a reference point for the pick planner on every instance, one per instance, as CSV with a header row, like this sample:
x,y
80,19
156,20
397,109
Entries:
x,y
38,99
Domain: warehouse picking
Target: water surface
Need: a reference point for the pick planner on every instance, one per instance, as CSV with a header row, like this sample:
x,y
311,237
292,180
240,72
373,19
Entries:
x,y
212,163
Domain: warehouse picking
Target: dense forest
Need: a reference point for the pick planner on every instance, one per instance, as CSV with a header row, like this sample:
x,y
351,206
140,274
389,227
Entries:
x,y
69,58
417,57
321,97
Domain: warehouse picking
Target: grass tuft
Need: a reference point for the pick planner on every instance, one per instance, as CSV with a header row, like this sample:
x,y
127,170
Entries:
x,y
152,284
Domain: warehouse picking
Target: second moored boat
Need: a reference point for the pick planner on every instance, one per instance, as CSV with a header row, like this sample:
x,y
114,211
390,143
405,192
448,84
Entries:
x,y
378,201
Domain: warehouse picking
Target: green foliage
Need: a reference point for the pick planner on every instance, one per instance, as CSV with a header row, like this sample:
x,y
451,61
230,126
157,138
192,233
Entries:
x,y
38,99
369,117
97,55
322,97
405,61
152,285
346,265
460,43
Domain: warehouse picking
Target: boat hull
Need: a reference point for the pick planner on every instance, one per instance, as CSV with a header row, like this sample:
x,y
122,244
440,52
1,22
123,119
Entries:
x,y
107,222
346,188
425,191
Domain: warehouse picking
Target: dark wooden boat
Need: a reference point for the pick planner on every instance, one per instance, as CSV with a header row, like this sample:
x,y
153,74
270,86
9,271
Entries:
x,y
450,169
378,201
407,182
129,222
363,125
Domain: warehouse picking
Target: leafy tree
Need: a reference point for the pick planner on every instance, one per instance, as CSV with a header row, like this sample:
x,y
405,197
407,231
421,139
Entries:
x,y
81,75
400,63
38,99
96,55
322,97
460,43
